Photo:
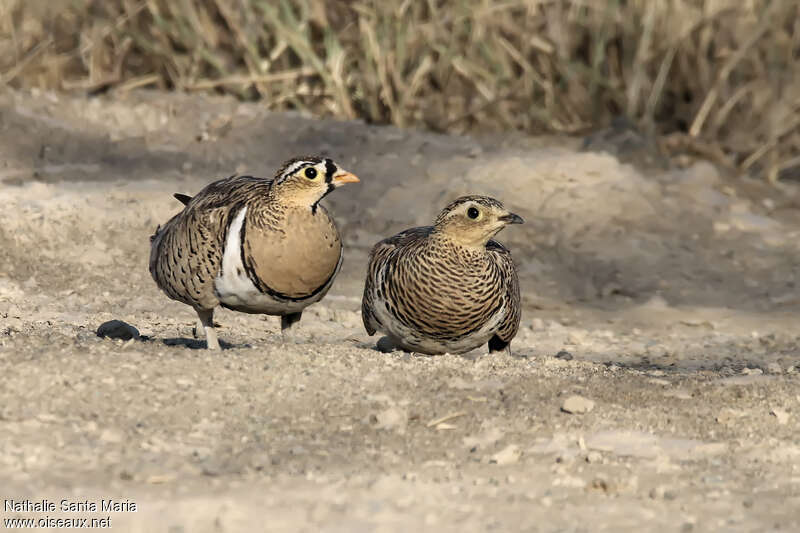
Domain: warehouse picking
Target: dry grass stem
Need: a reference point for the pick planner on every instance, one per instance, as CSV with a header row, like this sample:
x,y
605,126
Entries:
x,y
715,78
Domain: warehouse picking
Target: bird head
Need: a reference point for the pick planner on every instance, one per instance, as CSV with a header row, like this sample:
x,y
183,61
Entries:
x,y
304,181
473,220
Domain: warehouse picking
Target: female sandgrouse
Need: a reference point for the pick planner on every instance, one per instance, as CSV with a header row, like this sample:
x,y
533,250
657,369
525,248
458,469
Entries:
x,y
446,288
256,245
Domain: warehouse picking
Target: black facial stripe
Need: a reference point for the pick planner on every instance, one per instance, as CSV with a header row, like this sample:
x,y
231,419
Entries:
x,y
330,170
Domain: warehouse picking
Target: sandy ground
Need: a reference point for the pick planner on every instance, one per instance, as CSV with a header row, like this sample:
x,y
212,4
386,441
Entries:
x,y
664,299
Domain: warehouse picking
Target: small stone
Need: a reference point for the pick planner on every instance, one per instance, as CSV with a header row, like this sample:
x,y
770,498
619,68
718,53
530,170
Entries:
x,y
594,457
393,418
573,482
507,456
575,338
728,416
602,484
537,324
260,461
323,313
681,394
657,350
385,345
721,227
184,383
347,319
774,368
780,414
117,329
752,371
564,355
111,436
577,405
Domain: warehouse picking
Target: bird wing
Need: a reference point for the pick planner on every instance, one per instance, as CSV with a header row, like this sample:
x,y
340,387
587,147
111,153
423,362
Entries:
x,y
380,257
502,256
186,252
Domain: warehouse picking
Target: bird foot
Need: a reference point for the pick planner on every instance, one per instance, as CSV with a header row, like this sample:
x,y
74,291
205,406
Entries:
x,y
198,330
205,323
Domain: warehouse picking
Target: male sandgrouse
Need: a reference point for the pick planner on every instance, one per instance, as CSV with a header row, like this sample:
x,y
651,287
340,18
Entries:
x,y
446,288
256,245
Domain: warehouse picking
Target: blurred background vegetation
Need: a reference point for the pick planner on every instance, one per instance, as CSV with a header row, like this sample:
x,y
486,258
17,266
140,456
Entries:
x,y
718,78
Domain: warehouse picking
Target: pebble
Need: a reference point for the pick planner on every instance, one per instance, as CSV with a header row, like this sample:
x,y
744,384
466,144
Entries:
x,y
575,338
680,394
774,368
662,492
567,481
594,457
564,355
657,350
184,383
577,405
347,319
111,436
507,456
323,313
393,418
728,416
117,329
385,345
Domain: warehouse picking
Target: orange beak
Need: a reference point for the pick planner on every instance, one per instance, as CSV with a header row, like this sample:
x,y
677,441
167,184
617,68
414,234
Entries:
x,y
343,177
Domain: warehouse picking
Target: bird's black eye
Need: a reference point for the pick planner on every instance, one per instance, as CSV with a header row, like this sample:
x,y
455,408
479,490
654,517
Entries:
x,y
472,212
311,173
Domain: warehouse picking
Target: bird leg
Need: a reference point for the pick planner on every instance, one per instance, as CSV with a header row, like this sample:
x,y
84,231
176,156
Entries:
x,y
496,344
287,321
206,317
197,330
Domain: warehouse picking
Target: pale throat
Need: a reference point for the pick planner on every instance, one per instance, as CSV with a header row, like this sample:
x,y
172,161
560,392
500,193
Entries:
x,y
471,240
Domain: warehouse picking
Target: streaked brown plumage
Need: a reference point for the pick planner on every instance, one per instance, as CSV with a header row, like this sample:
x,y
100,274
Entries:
x,y
446,288
256,245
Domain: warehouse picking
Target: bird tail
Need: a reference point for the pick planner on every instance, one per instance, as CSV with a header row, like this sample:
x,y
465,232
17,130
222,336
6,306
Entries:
x,y
154,235
182,198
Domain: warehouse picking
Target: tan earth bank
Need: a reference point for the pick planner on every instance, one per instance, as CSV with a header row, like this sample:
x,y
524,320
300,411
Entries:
x,y
653,385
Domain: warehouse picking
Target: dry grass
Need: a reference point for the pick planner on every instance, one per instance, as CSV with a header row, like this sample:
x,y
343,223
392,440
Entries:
x,y
715,77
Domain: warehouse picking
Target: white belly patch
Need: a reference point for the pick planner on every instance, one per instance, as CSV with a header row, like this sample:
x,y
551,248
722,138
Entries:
x,y
233,286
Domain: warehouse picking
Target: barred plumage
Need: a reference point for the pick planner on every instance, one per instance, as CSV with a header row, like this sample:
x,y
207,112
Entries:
x,y
256,245
446,287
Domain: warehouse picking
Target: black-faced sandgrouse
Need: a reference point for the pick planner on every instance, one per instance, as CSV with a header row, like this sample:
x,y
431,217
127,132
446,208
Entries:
x,y
446,288
256,245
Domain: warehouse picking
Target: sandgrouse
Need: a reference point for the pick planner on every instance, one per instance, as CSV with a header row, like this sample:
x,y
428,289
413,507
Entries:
x,y
255,245
446,288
